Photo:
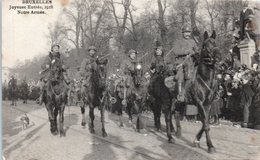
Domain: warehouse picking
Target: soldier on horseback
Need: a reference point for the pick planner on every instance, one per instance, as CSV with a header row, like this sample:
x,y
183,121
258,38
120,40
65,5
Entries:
x,y
45,74
185,67
128,74
93,92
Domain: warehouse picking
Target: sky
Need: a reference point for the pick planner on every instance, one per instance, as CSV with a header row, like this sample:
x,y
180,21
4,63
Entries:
x,y
25,36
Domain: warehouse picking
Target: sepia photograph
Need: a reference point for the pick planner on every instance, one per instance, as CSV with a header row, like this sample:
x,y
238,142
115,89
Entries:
x,y
130,80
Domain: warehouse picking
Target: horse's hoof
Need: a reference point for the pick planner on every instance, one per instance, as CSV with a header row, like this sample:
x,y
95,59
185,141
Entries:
x,y
196,144
211,150
92,131
83,124
104,134
171,140
54,133
178,133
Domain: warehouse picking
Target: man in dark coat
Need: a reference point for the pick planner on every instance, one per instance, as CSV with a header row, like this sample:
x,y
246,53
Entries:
x,y
246,97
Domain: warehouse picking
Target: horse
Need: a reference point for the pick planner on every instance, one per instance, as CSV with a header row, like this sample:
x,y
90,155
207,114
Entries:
x,y
162,100
203,89
130,94
55,96
13,91
94,95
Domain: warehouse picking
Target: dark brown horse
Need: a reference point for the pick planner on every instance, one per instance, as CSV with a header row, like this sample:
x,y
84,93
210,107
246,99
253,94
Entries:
x,y
94,95
203,89
55,96
163,101
130,94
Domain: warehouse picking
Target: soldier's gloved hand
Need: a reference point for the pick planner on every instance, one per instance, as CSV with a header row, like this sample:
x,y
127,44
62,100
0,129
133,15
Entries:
x,y
124,102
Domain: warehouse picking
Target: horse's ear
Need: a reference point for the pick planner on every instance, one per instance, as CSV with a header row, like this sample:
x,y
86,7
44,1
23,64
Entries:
x,y
105,62
214,35
97,61
206,35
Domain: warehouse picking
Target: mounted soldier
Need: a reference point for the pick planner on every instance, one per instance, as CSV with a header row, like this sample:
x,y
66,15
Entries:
x,y
93,72
45,74
54,89
186,56
130,89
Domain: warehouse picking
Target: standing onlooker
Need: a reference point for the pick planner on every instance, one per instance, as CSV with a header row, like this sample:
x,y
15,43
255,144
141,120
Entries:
x,y
246,97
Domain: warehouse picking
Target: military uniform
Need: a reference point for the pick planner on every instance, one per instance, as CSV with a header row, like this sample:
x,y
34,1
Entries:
x,y
47,62
87,65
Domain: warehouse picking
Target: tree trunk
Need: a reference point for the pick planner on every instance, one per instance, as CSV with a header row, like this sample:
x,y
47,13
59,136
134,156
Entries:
x,y
162,26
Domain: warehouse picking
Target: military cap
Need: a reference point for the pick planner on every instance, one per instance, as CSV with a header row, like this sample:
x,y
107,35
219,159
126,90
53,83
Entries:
x,y
92,48
54,45
132,51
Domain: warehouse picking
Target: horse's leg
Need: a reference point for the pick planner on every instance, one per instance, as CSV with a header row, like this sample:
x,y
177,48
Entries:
x,y
104,133
92,117
168,127
178,124
120,112
50,110
129,112
201,110
82,108
56,112
137,109
211,148
61,119
155,119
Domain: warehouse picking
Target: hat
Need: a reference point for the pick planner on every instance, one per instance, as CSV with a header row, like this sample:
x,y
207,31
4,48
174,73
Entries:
x,y
251,16
92,48
132,51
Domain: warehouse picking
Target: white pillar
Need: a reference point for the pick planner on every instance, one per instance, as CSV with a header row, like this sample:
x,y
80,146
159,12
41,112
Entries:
x,y
247,49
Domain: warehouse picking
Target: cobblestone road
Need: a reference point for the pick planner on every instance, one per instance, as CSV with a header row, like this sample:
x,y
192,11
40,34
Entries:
x,y
36,142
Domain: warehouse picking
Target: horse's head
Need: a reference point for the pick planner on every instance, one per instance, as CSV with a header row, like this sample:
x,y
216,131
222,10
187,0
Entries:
x,y
138,75
210,53
56,70
101,72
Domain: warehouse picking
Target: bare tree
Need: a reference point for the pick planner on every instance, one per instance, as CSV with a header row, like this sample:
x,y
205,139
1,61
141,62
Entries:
x,y
161,21
213,11
75,16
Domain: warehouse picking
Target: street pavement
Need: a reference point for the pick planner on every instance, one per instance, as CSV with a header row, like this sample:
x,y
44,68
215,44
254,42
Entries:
x,y
37,143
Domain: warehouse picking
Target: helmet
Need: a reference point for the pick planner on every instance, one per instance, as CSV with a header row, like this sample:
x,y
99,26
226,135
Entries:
x,y
132,51
54,45
92,48
186,29
251,16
